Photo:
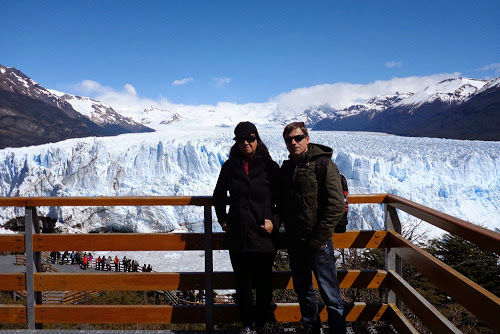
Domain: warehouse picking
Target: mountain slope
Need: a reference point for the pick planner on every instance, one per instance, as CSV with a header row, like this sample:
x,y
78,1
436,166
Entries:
x,y
102,114
32,115
25,121
458,108
478,118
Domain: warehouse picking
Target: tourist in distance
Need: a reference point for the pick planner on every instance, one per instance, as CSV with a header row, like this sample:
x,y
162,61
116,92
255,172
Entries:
x,y
251,225
310,211
116,261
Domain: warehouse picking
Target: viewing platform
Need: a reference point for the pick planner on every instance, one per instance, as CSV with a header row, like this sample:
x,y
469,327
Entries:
x,y
386,314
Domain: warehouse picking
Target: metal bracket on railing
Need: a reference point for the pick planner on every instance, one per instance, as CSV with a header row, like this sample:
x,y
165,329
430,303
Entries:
x,y
209,270
33,265
392,260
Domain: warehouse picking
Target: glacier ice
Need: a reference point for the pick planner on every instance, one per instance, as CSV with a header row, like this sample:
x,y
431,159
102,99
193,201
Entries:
x,y
460,178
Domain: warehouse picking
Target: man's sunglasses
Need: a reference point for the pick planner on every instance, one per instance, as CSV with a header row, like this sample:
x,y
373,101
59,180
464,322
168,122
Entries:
x,y
249,139
297,139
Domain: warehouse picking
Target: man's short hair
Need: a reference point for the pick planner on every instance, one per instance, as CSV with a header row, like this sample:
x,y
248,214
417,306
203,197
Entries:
x,y
292,126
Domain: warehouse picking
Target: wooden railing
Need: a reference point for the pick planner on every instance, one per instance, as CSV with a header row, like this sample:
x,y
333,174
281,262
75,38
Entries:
x,y
34,314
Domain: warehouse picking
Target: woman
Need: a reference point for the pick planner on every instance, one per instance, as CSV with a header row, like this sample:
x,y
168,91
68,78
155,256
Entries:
x,y
251,226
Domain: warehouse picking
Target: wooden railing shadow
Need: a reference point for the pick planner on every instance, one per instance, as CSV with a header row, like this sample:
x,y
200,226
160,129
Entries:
x,y
34,314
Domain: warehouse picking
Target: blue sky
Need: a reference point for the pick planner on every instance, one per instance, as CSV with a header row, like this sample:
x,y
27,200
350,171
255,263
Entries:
x,y
205,52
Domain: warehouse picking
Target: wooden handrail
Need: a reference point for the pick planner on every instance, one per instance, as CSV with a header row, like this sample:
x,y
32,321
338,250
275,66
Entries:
x,y
371,279
148,314
12,314
475,298
399,321
424,310
164,241
142,200
12,281
179,241
12,243
479,235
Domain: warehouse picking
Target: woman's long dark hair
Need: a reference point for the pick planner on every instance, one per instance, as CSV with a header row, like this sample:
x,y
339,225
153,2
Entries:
x,y
261,154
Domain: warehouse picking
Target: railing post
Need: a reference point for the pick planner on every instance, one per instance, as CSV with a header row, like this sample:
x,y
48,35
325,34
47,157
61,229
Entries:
x,y
392,261
209,270
33,264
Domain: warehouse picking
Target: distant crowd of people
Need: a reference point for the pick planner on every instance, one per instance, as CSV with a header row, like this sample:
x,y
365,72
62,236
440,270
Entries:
x,y
86,261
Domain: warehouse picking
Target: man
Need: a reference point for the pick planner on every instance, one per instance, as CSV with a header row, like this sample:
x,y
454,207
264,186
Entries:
x,y
312,206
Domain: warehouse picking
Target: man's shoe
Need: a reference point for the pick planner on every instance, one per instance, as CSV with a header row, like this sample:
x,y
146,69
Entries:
x,y
247,330
312,330
260,330
336,324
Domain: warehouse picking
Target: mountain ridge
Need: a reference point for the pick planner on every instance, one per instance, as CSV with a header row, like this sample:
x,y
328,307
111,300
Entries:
x,y
449,109
32,115
455,108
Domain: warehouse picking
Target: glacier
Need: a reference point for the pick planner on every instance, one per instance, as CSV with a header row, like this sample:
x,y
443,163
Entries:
x,y
460,178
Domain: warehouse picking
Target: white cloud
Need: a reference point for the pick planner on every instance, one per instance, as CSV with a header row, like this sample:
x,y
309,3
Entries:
x,y
221,81
182,81
126,101
88,87
337,95
94,88
342,95
392,64
492,67
130,89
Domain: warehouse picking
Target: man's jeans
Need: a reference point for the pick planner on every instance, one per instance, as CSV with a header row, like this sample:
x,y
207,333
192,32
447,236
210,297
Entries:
x,y
303,261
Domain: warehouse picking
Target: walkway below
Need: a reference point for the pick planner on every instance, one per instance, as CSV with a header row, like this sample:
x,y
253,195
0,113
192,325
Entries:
x,y
8,265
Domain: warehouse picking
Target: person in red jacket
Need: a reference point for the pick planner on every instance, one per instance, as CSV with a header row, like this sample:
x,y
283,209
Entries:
x,y
116,261
85,262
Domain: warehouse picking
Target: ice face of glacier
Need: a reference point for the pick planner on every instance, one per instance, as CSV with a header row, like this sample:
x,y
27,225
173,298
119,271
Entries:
x,y
460,178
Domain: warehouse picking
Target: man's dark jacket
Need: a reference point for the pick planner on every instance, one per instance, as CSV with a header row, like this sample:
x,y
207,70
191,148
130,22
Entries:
x,y
310,210
253,198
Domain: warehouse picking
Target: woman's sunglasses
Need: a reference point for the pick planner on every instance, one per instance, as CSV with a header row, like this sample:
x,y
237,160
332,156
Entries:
x,y
249,139
297,139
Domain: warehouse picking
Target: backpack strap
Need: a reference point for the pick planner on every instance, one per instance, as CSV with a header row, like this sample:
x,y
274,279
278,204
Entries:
x,y
320,171
345,190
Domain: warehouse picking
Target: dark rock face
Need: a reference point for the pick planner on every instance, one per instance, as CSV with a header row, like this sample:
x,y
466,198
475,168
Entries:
x,y
47,224
26,121
31,115
475,119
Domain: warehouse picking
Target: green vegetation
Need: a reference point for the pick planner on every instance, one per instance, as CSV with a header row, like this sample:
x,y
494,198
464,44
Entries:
x,y
480,266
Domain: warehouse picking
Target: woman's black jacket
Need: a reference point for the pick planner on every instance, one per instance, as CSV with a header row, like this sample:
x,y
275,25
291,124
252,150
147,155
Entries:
x,y
252,198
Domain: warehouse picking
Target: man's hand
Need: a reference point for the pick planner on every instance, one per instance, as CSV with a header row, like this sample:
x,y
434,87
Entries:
x,y
225,226
315,244
268,226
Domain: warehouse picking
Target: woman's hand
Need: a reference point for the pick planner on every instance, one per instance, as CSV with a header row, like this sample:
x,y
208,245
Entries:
x,y
268,226
225,226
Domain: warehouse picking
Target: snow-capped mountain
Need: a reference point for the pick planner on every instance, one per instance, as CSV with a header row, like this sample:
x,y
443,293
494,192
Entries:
x,y
461,178
452,92
372,106
14,81
33,115
100,113
312,115
402,113
152,115
443,110
492,84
